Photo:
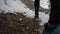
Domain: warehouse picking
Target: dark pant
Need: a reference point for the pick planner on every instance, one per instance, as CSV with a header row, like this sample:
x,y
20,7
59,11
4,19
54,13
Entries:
x,y
55,12
36,5
54,16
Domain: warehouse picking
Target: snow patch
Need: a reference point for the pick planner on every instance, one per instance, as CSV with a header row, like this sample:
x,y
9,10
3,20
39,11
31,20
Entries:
x,y
12,6
44,3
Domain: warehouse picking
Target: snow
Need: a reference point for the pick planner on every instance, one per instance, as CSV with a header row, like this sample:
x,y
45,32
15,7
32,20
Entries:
x,y
44,3
12,6
44,17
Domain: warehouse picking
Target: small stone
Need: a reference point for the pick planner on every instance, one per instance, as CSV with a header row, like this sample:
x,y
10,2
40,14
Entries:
x,y
27,27
20,19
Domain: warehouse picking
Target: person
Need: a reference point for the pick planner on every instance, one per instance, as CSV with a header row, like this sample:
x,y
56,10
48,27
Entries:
x,y
54,18
36,5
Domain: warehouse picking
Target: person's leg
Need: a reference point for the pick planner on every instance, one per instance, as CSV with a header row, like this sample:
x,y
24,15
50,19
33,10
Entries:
x,y
55,12
54,16
36,4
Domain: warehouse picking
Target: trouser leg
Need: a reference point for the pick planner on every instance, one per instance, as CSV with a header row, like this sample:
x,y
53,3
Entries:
x,y
36,4
54,17
55,12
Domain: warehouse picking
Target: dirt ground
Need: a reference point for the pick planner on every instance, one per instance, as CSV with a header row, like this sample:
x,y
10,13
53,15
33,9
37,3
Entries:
x,y
17,24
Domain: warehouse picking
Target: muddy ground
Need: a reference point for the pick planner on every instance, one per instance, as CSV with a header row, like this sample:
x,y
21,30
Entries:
x,y
17,24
